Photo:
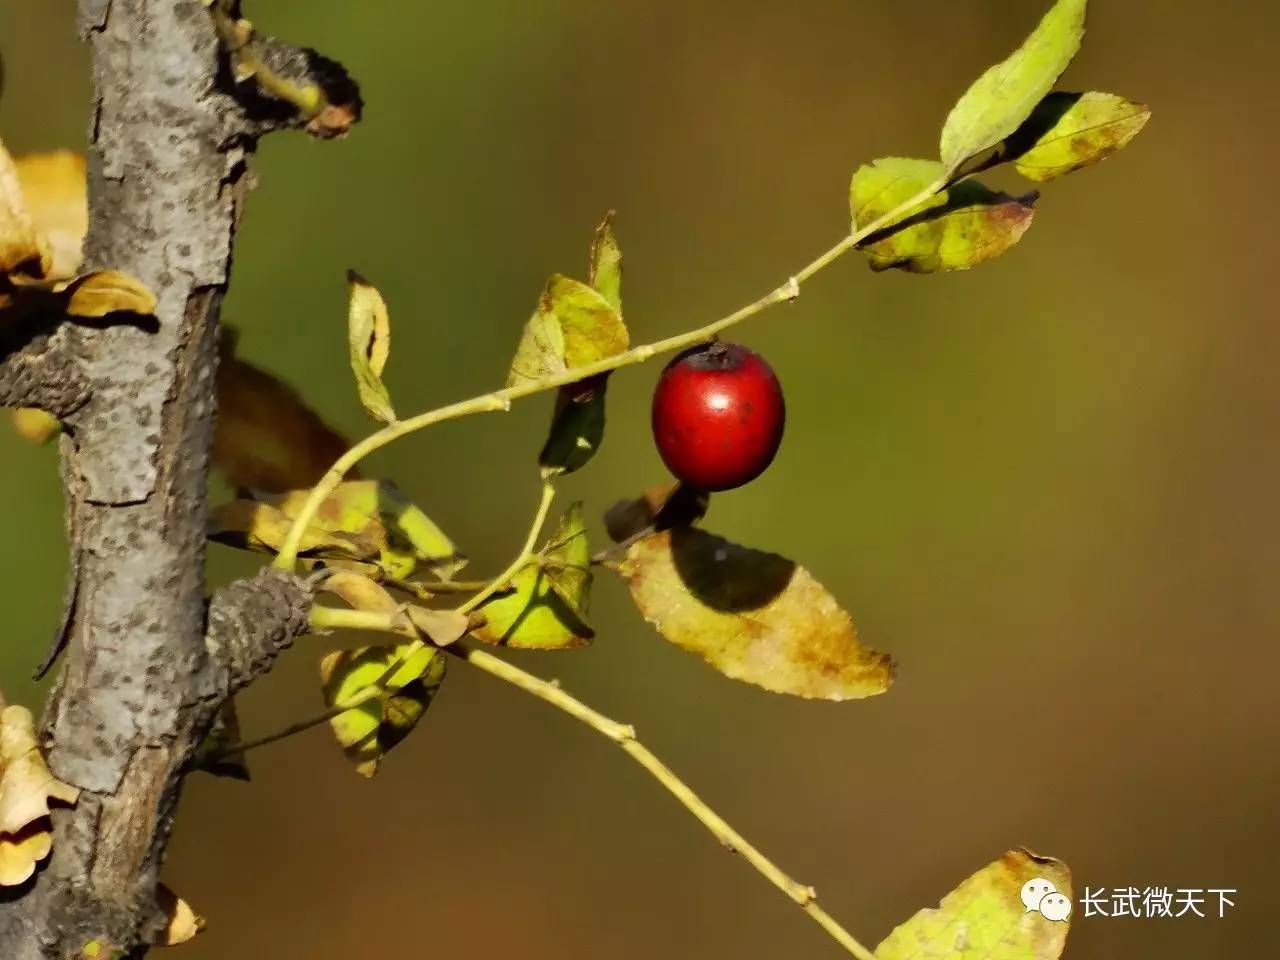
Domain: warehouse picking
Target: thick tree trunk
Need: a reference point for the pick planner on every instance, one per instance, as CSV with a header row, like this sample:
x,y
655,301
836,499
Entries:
x,y
141,680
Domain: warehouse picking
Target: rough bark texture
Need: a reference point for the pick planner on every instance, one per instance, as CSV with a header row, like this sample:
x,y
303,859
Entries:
x,y
147,665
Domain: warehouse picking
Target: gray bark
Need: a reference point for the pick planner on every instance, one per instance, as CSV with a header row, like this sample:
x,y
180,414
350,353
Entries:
x,y
147,665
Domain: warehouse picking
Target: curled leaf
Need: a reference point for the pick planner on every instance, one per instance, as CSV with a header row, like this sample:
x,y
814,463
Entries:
x,y
1069,131
955,229
369,337
106,292
754,616
266,438
1004,96
985,918
605,266
26,790
547,607
573,326
369,731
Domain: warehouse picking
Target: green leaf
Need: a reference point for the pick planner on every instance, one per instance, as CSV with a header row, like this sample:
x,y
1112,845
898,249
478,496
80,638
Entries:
x,y
572,326
605,268
1069,131
754,616
577,426
369,338
985,919
1005,95
547,607
369,731
955,229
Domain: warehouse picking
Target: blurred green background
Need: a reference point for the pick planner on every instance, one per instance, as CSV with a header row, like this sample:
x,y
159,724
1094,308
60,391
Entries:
x,y
1047,486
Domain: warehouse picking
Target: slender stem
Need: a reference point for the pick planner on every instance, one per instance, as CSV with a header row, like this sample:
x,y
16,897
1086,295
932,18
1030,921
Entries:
x,y
339,618
525,555
357,700
625,736
501,399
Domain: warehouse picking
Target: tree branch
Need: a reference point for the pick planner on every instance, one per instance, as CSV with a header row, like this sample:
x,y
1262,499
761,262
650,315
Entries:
x,y
141,681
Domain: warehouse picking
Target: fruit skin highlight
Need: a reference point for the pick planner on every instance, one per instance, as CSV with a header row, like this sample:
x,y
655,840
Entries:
x,y
718,416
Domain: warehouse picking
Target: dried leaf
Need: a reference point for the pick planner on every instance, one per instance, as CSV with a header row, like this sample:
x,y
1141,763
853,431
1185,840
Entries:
x,y
369,731
441,627
572,326
56,192
1003,97
659,507
984,918
26,790
369,337
955,229
605,266
1069,131
547,608
106,292
754,616
181,922
267,439
22,248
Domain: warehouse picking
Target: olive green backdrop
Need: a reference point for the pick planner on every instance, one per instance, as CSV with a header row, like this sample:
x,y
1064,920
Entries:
x,y
1047,486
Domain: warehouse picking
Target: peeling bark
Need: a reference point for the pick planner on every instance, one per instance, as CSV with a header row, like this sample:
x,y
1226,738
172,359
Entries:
x,y
142,678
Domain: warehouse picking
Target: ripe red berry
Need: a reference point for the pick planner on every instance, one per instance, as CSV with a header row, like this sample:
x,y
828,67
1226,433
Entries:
x,y
718,416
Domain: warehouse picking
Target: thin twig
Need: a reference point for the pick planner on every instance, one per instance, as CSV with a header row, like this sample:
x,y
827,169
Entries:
x,y
526,553
624,736
287,558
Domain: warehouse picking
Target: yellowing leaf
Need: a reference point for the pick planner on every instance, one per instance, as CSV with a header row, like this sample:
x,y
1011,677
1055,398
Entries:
x,y
659,507
26,790
366,520
106,292
369,731
1005,95
369,337
266,438
605,266
955,229
753,616
985,919
22,249
547,607
56,193
573,326
1069,131
181,922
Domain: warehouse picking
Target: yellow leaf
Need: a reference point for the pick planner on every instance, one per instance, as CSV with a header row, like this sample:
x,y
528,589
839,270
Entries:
x,y
22,249
369,337
753,616
106,292
181,922
35,425
56,193
985,918
369,731
26,789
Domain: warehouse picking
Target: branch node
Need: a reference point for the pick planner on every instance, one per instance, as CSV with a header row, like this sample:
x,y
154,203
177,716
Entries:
x,y
251,621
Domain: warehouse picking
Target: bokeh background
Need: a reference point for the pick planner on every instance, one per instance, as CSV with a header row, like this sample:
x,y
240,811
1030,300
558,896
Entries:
x,y
1047,486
